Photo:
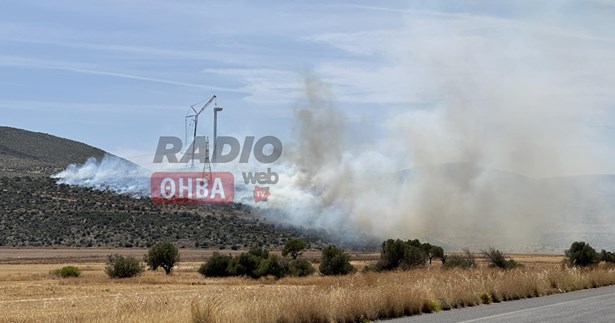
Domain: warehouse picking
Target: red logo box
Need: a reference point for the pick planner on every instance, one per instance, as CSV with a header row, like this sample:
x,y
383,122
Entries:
x,y
192,188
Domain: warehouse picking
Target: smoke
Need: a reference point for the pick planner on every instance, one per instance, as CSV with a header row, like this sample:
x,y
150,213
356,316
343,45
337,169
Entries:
x,y
502,119
516,114
110,173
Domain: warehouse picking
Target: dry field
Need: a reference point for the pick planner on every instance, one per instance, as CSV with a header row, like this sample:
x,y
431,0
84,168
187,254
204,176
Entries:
x,y
30,294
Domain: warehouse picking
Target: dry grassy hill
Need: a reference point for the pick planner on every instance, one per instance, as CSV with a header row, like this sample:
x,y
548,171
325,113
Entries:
x,y
35,153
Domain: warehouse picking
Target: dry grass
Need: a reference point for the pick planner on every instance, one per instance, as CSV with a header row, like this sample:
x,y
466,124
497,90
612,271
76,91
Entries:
x,y
29,294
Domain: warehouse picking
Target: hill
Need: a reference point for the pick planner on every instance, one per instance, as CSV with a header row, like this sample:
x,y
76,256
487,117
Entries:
x,y
36,211
35,153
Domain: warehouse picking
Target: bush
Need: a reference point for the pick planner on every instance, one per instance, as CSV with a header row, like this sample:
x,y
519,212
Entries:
x,y
256,263
335,261
163,255
404,254
300,268
485,298
465,260
271,266
581,254
607,256
216,266
67,271
496,258
294,248
244,265
123,267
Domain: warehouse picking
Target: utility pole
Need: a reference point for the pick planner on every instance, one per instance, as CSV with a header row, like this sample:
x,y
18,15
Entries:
x,y
216,110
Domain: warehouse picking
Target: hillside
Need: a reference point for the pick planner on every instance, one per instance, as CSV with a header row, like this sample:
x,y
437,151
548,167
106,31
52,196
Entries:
x,y
35,211
35,153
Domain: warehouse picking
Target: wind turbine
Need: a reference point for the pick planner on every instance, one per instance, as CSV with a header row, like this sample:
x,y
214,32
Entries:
x,y
195,119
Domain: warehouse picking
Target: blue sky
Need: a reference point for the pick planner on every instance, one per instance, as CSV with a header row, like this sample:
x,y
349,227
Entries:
x,y
119,74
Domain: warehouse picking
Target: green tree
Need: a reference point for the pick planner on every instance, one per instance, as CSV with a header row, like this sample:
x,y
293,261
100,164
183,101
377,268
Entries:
x,y
294,248
335,261
581,254
164,255
432,251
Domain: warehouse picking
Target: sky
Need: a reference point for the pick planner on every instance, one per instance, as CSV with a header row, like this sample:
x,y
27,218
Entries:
x,y
119,74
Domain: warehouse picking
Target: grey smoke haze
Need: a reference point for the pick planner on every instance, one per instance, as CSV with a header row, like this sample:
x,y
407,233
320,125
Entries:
x,y
513,108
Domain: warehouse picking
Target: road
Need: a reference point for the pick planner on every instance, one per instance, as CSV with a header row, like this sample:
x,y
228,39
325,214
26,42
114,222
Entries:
x,y
590,305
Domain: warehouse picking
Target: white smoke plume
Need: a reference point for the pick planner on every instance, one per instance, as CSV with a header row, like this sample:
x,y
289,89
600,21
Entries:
x,y
110,173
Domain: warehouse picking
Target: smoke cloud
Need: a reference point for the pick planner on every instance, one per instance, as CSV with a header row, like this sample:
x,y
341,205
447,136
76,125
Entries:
x,y
511,121
110,173
505,131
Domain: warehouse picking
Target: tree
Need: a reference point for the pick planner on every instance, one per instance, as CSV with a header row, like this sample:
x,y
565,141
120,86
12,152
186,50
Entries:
x,y
581,254
216,266
164,255
432,251
294,248
123,267
335,261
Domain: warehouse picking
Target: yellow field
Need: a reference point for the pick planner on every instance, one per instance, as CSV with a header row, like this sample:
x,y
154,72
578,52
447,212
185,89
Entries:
x,y
30,294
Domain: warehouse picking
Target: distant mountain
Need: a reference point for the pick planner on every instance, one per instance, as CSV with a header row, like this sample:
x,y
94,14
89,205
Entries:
x,y
24,152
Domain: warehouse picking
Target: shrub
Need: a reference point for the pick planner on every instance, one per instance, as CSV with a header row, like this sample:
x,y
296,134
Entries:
x,y
413,257
294,248
335,261
581,254
406,254
255,263
496,258
607,256
485,297
270,266
163,255
431,305
123,267
300,268
216,266
465,260
67,271
244,265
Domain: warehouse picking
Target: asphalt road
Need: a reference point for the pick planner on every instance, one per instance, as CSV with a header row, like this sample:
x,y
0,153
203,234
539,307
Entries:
x,y
590,305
